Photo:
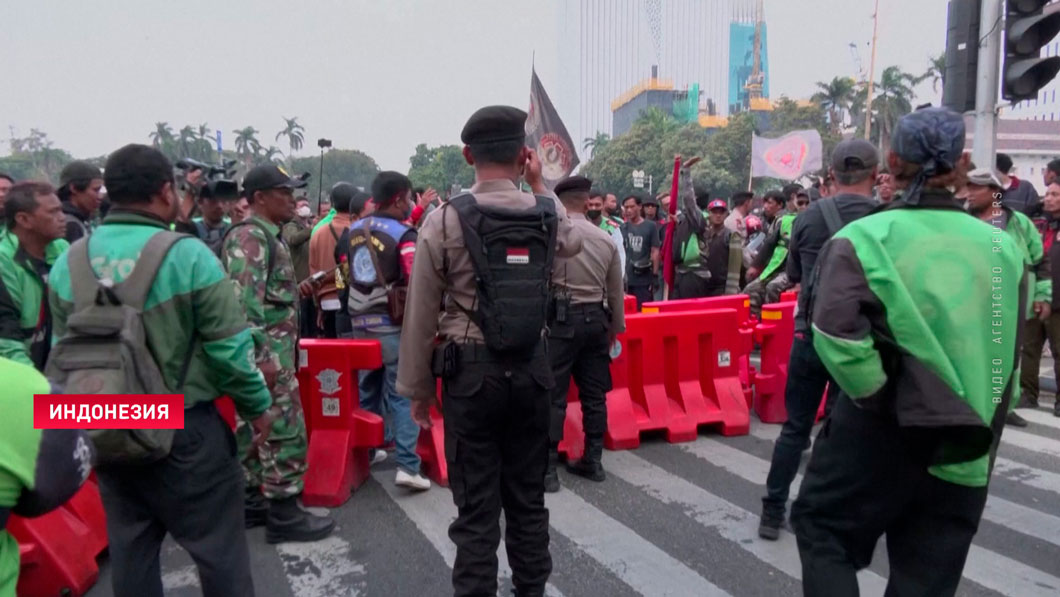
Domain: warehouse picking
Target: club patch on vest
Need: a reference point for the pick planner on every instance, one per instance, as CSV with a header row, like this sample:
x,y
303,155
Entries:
x,y
517,256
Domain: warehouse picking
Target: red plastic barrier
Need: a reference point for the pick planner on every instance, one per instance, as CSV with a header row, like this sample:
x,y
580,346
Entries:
x,y
342,433
58,550
431,447
630,303
742,304
573,444
675,372
789,296
775,334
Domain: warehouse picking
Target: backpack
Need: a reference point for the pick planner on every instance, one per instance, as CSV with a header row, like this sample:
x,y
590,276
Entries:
x,y
72,219
512,253
105,350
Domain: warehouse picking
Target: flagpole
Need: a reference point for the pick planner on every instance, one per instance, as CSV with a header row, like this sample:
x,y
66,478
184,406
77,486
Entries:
x,y
751,172
872,72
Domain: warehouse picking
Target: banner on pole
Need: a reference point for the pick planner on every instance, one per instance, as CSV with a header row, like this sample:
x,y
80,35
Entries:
x,y
546,135
788,157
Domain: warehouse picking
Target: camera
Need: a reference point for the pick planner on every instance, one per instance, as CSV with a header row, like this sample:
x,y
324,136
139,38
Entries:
x,y
216,182
322,143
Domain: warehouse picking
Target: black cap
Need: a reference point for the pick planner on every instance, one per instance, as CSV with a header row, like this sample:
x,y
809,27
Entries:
x,y
359,200
574,183
854,155
263,178
78,170
494,124
342,192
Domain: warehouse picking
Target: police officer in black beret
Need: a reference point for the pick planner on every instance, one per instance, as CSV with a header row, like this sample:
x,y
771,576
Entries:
x,y
486,258
586,317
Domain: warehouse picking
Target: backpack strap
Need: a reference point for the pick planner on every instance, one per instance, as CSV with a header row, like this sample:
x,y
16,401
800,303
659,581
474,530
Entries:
x,y
83,281
831,216
133,290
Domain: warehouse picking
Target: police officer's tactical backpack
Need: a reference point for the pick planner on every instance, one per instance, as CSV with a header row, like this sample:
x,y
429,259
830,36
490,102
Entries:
x,y
512,253
105,351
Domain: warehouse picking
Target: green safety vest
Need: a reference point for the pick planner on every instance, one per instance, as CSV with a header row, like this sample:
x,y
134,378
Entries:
x,y
780,253
325,221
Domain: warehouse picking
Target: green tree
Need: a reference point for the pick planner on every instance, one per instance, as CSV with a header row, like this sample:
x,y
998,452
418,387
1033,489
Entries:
x,y
162,139
641,148
186,139
440,168
894,99
340,165
204,147
272,155
591,144
294,132
936,72
247,145
34,158
836,97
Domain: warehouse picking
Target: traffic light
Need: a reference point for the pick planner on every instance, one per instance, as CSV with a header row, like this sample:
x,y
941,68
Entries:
x,y
962,55
1027,31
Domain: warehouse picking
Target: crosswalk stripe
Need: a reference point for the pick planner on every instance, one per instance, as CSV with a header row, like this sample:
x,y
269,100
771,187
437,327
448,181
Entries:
x,y
432,511
1008,514
1003,467
1040,417
636,561
1030,441
324,567
1012,578
730,521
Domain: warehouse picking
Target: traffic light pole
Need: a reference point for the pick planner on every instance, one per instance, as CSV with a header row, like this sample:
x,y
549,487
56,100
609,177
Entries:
x,y
987,85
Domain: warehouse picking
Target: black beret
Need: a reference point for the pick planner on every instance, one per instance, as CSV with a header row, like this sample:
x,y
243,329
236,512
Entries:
x,y
574,183
493,124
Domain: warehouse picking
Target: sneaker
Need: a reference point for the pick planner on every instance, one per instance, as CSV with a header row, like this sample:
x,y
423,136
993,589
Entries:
x,y
769,529
378,456
1015,420
415,482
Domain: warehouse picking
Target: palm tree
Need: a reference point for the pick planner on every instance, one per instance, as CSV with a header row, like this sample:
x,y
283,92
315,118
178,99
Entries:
x,y
936,72
272,155
186,141
591,144
894,99
247,144
204,148
661,121
294,133
162,137
836,97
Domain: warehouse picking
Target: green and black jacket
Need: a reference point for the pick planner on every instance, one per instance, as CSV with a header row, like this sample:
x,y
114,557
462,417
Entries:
x,y
917,313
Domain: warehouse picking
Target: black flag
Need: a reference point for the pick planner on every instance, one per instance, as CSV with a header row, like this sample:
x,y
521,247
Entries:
x,y
546,135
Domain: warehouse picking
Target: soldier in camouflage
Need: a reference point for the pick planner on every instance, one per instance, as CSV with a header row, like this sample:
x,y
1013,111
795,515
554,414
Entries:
x,y
259,263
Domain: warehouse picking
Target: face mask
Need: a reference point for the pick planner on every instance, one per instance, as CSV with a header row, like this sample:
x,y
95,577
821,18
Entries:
x,y
593,214
303,212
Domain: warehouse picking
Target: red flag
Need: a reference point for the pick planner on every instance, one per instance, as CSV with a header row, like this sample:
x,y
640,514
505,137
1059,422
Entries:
x,y
668,241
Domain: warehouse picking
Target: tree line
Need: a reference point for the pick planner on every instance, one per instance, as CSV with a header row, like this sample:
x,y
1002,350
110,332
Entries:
x,y
836,111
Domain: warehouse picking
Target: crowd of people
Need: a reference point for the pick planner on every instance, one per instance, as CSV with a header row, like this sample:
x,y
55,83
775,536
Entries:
x,y
463,288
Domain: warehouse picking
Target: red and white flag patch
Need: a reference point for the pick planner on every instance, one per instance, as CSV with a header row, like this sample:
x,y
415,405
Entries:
x,y
518,256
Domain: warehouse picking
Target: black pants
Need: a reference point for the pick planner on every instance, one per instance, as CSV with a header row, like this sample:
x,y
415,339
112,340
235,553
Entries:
x,y
579,347
807,377
869,477
690,286
196,495
496,413
643,292
307,318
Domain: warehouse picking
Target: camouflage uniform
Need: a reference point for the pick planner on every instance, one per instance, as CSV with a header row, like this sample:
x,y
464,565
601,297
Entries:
x,y
271,302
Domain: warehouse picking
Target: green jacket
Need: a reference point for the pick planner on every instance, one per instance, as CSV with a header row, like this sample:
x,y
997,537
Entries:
x,y
917,313
780,244
1039,280
27,487
25,334
191,303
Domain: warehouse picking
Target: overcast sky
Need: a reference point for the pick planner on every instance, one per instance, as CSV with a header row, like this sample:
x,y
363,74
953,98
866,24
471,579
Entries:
x,y
380,76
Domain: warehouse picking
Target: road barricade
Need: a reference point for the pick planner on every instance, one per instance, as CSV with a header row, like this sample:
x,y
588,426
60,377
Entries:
x,y
775,334
745,331
675,372
629,303
789,296
431,447
58,551
342,434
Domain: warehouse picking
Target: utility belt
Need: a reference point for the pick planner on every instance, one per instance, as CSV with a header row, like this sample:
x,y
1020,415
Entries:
x,y
371,320
450,358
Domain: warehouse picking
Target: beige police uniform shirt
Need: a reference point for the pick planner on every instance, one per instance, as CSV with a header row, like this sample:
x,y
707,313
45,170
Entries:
x,y
434,292
736,222
594,275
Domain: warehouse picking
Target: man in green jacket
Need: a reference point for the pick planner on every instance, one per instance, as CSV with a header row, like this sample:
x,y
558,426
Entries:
x,y
917,314
33,239
767,273
196,330
40,469
985,190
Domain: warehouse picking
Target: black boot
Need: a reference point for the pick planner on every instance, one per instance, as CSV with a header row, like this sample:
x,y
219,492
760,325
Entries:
x,y
590,466
288,522
255,508
551,476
